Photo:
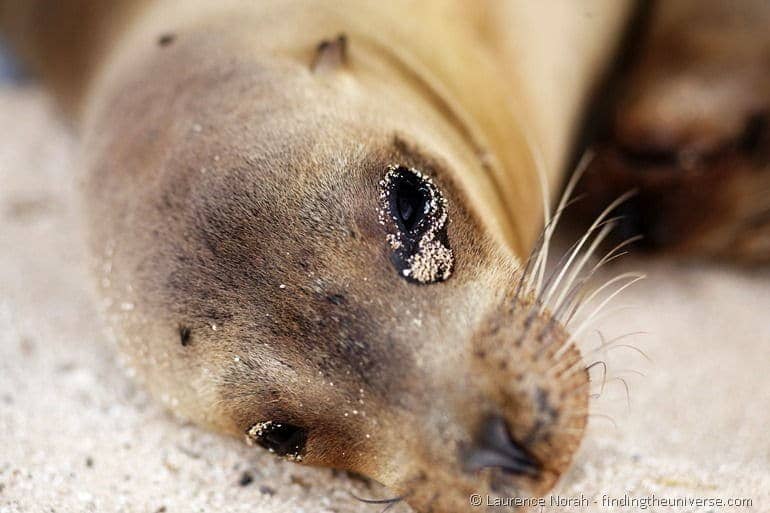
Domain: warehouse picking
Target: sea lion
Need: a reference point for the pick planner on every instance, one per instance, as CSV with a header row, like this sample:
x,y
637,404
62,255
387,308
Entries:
x,y
687,128
317,222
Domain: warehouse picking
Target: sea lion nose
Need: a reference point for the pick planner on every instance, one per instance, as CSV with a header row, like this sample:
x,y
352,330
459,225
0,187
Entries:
x,y
495,448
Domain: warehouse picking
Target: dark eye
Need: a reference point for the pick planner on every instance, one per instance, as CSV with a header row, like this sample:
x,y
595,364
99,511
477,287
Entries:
x,y
281,438
409,202
415,215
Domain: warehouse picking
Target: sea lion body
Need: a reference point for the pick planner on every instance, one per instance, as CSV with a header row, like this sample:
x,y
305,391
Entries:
x,y
689,130
266,185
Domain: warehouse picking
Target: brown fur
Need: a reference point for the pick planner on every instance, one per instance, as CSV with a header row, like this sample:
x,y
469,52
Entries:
x,y
689,131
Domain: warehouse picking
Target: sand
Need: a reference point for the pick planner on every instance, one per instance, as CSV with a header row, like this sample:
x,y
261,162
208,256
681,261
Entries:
x,y
77,436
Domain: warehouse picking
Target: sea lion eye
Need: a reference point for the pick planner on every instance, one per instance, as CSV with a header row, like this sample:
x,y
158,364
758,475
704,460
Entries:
x,y
409,202
414,213
281,438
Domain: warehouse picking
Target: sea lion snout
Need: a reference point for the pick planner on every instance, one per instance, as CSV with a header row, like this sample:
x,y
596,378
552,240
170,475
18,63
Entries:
x,y
503,418
539,397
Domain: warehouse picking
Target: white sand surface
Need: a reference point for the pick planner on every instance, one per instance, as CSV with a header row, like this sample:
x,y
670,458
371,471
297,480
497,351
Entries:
x,y
77,436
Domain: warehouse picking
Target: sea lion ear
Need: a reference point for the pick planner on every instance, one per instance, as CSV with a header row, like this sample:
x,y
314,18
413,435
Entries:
x,y
330,55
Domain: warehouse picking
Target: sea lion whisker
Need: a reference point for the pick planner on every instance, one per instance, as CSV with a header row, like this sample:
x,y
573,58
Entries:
x,y
574,252
568,309
610,256
575,335
575,272
559,266
580,169
625,385
609,344
575,292
604,372
633,348
600,289
551,226
594,226
542,257
605,345
527,269
622,253
535,311
546,198
575,299
525,281
570,302
595,317
391,501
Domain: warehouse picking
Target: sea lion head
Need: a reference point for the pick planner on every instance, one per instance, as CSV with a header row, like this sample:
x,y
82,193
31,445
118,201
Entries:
x,y
290,258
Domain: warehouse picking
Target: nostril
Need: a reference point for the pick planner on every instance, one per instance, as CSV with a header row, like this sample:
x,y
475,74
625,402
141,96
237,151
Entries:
x,y
495,448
